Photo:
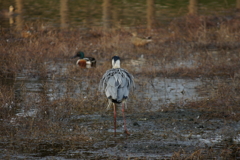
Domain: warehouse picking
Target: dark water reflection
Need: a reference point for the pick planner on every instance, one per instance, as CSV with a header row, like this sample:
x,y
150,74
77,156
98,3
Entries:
x,y
107,13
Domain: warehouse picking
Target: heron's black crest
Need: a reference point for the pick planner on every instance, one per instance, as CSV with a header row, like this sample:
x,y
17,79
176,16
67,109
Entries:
x,y
115,58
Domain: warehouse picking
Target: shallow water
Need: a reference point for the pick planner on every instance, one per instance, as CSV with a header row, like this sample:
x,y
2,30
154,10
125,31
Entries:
x,y
105,13
156,91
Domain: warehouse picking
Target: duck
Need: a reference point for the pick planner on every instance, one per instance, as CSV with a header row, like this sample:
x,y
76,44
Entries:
x,y
7,13
140,41
86,62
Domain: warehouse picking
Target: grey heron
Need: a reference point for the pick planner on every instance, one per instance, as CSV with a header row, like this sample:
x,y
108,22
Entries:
x,y
116,83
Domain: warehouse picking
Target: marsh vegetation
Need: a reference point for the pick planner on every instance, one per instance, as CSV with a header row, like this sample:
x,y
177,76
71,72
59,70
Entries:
x,y
185,105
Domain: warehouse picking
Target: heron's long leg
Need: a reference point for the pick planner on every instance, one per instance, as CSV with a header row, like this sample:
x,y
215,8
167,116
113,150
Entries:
x,y
115,116
125,127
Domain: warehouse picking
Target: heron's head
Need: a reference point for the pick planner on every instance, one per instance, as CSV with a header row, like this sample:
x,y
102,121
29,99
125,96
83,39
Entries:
x,y
115,62
79,54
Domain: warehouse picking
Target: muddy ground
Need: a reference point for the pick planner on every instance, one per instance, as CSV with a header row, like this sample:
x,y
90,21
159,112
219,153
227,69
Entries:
x,y
65,129
185,105
176,134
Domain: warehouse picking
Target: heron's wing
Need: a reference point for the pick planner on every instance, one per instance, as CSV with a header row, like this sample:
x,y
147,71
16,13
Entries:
x,y
103,81
116,83
123,89
111,88
117,87
130,79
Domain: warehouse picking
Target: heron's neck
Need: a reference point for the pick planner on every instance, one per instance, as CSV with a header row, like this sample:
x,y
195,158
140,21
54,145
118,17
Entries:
x,y
116,64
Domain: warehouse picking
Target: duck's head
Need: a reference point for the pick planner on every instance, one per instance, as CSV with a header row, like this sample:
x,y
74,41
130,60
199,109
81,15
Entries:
x,y
115,62
79,54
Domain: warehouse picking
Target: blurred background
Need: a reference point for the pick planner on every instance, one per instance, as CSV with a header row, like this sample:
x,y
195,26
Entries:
x,y
109,13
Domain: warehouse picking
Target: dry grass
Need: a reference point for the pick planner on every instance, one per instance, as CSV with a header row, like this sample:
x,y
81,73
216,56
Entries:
x,y
209,43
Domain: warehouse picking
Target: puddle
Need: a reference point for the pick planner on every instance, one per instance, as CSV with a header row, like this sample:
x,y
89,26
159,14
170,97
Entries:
x,y
158,91
168,91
